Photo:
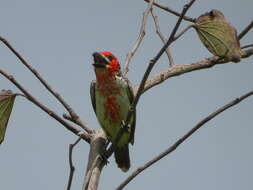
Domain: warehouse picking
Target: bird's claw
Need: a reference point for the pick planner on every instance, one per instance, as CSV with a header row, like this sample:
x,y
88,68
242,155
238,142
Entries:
x,y
80,133
124,127
104,157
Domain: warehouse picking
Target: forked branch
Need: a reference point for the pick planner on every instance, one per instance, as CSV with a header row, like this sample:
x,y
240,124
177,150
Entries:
x,y
159,33
172,11
140,37
46,85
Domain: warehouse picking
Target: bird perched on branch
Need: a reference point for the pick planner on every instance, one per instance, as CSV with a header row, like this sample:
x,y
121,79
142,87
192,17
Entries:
x,y
111,97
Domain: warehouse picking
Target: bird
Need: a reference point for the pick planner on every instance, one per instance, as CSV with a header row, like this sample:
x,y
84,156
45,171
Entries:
x,y
111,97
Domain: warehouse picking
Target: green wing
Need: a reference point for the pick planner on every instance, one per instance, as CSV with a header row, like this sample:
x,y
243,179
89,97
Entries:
x,y
130,95
93,94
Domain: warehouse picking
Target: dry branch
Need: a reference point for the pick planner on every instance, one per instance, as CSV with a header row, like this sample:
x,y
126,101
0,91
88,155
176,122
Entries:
x,y
71,165
46,85
179,69
95,162
140,37
246,30
159,33
31,98
172,11
182,139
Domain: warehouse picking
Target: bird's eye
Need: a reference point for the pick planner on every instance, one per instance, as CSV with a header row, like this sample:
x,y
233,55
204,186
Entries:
x,y
110,58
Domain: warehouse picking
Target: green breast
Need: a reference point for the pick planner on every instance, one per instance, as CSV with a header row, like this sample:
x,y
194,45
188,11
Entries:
x,y
112,108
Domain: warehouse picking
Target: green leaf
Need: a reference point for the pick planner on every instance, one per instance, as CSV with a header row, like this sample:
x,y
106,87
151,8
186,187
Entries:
x,y
218,36
7,99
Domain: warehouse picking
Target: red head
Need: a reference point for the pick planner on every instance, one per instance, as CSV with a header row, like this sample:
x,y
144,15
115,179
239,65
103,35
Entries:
x,y
105,60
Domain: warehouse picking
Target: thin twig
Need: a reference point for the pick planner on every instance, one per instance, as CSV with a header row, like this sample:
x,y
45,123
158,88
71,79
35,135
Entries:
x,y
183,138
172,11
45,84
247,46
19,94
246,30
86,137
182,32
140,37
159,33
71,166
77,121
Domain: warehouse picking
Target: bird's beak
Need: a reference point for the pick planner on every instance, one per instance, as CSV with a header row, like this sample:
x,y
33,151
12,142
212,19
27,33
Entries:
x,y
100,61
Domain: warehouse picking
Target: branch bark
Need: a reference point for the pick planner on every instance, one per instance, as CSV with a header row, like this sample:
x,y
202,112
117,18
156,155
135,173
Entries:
x,y
95,162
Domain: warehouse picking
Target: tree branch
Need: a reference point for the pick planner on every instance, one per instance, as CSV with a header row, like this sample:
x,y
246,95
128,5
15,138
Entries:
x,y
246,46
179,69
95,163
172,11
183,31
159,33
140,37
183,138
79,122
71,166
46,85
246,30
31,98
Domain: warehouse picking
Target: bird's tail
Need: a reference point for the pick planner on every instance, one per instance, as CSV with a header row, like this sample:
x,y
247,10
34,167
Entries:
x,y
122,158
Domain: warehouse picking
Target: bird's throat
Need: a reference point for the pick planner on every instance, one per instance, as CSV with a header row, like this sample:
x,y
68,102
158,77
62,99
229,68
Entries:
x,y
109,90
103,76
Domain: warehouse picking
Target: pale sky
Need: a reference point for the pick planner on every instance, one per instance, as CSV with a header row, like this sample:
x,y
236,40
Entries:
x,y
58,38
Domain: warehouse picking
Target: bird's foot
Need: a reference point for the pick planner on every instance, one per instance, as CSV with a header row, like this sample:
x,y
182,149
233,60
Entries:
x,y
124,126
104,157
